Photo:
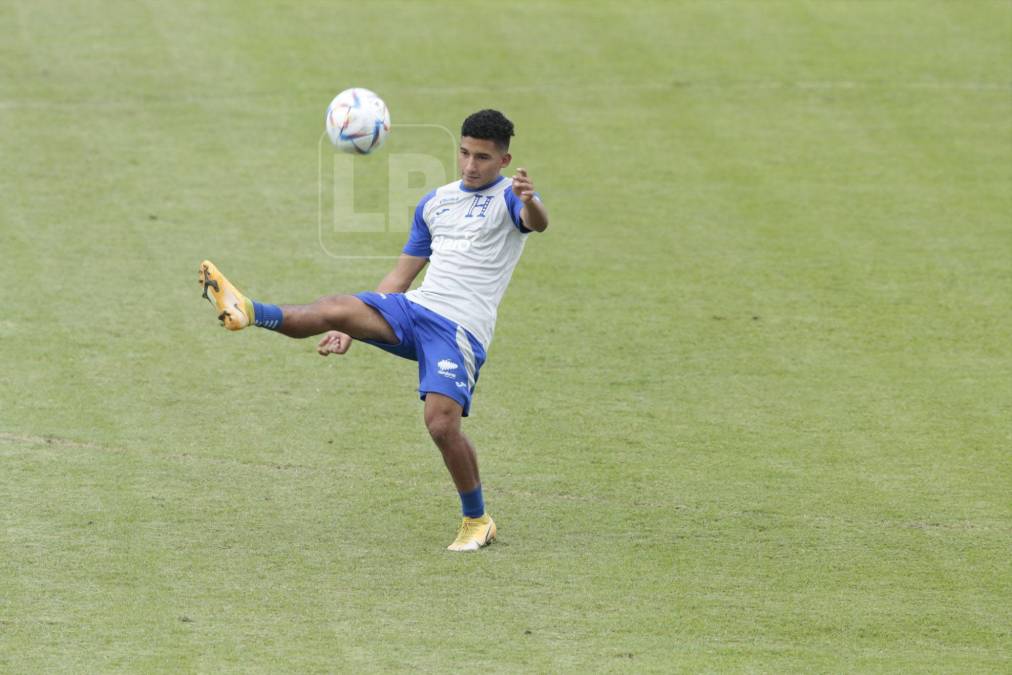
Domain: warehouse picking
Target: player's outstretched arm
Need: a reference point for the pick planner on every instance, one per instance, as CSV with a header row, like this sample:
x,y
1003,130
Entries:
x,y
398,280
533,214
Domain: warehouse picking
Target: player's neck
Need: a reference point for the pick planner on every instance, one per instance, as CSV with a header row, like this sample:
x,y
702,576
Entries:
x,y
483,187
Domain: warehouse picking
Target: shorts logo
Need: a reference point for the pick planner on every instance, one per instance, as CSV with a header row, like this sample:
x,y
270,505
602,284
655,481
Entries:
x,y
446,368
462,385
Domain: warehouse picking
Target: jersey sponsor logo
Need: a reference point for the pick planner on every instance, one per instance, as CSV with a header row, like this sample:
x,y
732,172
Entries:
x,y
446,368
448,244
479,203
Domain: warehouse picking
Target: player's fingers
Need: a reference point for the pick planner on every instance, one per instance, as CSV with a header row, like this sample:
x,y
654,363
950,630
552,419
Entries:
x,y
522,171
326,345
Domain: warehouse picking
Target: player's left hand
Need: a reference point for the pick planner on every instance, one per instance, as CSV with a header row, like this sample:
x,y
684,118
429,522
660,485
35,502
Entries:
x,y
334,342
522,186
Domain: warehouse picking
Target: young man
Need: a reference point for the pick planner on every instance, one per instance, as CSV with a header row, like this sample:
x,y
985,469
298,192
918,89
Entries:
x,y
471,233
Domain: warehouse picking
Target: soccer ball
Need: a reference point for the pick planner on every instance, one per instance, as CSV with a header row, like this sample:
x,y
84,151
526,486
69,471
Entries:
x,y
357,121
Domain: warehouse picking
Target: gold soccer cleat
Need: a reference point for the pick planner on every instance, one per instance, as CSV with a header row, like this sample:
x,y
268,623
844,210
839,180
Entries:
x,y
473,534
235,311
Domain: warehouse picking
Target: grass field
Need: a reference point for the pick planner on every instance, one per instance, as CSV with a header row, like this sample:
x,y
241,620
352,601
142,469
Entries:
x,y
748,406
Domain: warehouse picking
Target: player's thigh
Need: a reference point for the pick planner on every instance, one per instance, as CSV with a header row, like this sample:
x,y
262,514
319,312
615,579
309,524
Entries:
x,y
363,322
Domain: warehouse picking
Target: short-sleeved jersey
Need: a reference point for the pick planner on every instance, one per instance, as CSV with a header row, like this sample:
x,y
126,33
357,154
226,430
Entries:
x,y
473,240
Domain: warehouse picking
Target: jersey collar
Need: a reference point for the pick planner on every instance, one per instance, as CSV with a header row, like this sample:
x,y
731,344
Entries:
x,y
483,187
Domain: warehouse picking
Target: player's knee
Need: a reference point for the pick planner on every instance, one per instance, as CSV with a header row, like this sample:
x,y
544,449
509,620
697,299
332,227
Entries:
x,y
336,308
443,426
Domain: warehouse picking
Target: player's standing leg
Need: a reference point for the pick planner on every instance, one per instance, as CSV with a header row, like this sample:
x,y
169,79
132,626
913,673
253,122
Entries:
x,y
442,419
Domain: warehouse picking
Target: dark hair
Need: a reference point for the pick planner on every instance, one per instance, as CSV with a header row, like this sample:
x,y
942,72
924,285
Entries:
x,y
490,125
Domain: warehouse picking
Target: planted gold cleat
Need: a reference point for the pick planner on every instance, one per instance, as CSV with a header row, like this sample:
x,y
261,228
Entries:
x,y
473,534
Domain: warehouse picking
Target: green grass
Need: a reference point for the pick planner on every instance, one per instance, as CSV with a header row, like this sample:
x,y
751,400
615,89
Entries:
x,y
747,409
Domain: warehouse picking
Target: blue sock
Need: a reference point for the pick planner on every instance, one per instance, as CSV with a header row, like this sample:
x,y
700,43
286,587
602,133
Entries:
x,y
473,503
266,316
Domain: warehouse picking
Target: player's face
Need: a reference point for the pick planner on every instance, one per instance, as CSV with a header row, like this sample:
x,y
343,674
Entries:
x,y
480,161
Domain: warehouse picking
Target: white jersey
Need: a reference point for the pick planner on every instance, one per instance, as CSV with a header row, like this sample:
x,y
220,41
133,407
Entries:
x,y
473,240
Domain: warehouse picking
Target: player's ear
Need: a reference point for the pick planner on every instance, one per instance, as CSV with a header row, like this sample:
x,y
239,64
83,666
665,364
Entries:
x,y
506,159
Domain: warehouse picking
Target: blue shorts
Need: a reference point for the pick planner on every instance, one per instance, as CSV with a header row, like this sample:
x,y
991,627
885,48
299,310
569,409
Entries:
x,y
449,357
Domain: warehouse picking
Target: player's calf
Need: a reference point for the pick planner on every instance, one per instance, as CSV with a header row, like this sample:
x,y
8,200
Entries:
x,y
334,312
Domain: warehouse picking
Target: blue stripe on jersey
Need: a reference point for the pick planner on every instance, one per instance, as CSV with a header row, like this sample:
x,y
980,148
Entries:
x,y
420,239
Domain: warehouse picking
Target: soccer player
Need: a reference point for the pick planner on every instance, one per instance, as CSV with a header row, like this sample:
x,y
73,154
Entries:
x,y
471,233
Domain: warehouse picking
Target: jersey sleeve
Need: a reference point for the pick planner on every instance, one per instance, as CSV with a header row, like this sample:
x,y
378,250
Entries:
x,y
514,205
420,239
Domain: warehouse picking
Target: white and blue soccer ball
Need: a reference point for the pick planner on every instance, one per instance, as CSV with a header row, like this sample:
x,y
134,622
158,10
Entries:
x,y
357,121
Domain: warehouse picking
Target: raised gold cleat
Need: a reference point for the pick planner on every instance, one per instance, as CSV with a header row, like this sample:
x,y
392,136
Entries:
x,y
231,305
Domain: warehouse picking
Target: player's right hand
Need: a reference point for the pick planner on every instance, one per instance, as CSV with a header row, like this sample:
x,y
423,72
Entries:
x,y
334,342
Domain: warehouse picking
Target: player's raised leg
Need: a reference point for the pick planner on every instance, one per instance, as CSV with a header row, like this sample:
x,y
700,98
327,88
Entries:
x,y
442,419
344,313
